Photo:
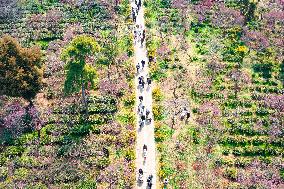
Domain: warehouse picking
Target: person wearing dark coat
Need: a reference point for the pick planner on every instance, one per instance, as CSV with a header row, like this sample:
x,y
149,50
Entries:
x,y
143,118
143,63
147,113
142,84
149,81
137,67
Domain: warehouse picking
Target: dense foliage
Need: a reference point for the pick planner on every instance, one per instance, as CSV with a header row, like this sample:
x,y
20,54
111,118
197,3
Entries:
x,y
229,65
20,69
53,144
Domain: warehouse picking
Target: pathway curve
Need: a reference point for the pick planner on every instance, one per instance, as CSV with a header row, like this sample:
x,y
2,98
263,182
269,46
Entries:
x,y
145,135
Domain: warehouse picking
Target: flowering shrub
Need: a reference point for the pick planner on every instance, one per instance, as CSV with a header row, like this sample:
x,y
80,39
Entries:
x,y
235,60
45,26
255,40
224,17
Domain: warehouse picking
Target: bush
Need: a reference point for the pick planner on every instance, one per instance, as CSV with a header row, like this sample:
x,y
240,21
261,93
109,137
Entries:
x,y
282,174
21,174
36,186
158,112
129,155
166,170
3,173
26,161
103,163
129,101
162,132
231,173
12,151
87,184
157,94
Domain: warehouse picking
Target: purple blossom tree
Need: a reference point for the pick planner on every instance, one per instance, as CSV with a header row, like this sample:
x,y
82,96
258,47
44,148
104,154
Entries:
x,y
203,9
275,102
225,17
255,40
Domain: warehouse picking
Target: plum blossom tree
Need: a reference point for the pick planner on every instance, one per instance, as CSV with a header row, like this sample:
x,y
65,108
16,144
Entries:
x,y
9,10
45,23
202,10
255,40
177,102
225,17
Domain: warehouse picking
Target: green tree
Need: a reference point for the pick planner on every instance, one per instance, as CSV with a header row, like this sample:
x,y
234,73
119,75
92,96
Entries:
x,y
247,8
79,73
21,71
109,50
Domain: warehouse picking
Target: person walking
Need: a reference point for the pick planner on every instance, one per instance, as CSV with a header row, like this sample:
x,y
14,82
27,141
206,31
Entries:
x,y
143,118
143,63
141,98
135,35
142,84
133,12
139,4
147,113
149,81
142,109
141,123
137,67
143,37
144,152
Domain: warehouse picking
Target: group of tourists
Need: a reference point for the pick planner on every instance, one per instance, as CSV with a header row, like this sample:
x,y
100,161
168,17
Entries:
x,y
149,179
144,113
139,35
141,82
138,68
135,10
139,32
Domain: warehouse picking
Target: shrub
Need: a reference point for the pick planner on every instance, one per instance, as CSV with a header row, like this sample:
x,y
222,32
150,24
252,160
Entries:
x,y
231,173
103,162
282,174
129,155
87,184
166,170
21,174
162,132
158,112
129,101
12,151
157,94
3,173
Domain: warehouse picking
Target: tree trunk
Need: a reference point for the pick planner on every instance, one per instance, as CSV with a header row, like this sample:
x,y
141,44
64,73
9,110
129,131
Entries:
x,y
236,89
173,122
108,72
84,99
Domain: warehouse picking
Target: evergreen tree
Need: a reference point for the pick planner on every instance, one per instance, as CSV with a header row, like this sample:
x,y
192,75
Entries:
x,y
79,74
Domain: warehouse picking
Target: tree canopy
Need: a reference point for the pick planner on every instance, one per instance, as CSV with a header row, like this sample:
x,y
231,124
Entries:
x,y
21,71
78,72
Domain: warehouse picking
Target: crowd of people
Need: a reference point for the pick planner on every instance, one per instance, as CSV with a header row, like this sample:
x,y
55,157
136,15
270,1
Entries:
x,y
144,113
135,10
139,33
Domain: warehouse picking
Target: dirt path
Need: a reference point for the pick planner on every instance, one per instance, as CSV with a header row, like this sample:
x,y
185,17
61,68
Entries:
x,y
145,135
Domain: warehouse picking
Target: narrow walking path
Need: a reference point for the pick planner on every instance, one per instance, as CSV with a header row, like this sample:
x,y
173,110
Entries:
x,y
145,133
